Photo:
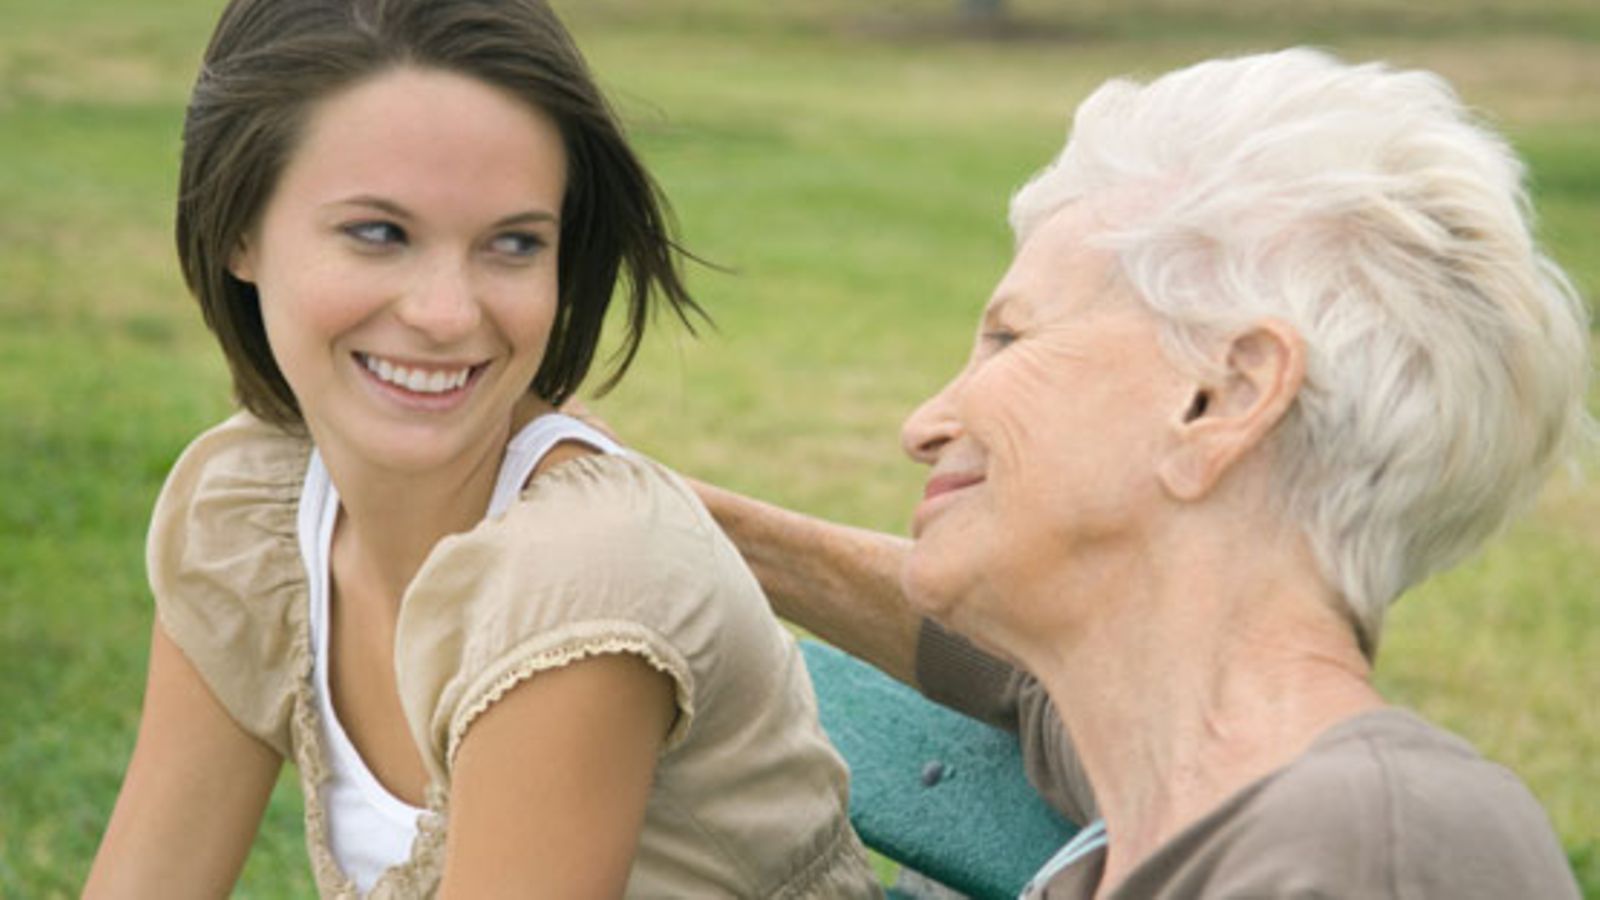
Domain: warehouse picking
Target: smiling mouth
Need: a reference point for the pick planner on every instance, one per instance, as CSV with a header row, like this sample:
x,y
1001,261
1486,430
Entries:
x,y
415,379
936,496
945,484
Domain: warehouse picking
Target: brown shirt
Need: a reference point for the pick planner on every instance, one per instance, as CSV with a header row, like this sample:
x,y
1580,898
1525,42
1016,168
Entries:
x,y
606,554
1383,804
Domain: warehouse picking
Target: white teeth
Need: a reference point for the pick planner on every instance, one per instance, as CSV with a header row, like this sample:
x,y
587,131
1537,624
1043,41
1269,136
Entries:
x,y
416,380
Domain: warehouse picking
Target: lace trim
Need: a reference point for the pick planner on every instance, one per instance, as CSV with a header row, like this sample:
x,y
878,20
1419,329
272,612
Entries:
x,y
419,875
310,759
566,655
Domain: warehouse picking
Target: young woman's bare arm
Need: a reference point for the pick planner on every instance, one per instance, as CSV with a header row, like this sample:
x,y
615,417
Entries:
x,y
549,788
193,796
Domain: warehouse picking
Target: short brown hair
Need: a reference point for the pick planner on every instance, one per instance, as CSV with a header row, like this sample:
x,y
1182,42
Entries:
x,y
270,60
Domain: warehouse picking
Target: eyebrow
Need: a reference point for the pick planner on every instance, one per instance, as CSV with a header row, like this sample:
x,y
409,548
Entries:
x,y
526,217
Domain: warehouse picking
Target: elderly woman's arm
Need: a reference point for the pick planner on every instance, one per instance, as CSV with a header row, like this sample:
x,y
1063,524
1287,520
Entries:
x,y
840,583
843,585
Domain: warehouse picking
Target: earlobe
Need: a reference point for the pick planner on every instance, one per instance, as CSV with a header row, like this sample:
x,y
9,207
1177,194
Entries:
x,y
1181,469
1183,474
1261,374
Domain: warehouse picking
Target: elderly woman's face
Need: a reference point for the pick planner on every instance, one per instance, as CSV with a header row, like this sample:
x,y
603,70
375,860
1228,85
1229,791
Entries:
x,y
1042,449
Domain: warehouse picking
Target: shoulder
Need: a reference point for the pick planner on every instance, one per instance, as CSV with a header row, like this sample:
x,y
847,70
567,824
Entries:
x,y
236,486
612,526
226,471
625,496
1395,767
240,449
601,554
224,567
1390,804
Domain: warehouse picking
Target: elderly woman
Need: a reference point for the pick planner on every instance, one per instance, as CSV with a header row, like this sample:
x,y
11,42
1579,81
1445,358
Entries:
x,y
1276,345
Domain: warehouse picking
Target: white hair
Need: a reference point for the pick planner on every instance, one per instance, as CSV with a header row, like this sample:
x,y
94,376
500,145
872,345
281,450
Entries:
x,y
1447,356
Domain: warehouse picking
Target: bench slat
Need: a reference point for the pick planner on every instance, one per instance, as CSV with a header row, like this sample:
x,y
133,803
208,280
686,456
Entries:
x,y
932,789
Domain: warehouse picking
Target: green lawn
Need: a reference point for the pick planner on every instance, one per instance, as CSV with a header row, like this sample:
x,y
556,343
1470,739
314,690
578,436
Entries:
x,y
851,169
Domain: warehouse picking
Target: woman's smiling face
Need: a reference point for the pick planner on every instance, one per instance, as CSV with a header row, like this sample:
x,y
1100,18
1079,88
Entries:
x,y
1043,448
406,265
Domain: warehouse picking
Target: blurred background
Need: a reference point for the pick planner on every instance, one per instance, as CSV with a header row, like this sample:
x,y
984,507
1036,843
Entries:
x,y
848,165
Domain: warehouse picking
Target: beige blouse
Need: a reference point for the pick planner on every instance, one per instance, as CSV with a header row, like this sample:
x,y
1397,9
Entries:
x,y
603,554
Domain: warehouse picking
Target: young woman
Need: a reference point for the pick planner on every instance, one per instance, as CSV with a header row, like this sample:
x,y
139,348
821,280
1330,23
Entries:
x,y
507,656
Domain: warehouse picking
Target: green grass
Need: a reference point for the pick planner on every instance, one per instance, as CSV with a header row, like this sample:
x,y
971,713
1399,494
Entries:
x,y
851,167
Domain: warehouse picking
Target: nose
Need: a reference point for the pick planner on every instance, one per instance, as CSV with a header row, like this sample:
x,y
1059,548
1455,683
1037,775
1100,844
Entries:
x,y
442,304
931,426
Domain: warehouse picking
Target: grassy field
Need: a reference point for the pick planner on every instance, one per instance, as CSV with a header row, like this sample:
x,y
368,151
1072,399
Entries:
x,y
851,169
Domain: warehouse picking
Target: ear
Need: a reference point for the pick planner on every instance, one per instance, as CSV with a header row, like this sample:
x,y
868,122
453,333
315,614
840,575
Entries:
x,y
242,262
1262,372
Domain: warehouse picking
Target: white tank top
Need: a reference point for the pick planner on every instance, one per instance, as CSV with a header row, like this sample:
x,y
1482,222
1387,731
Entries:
x,y
369,829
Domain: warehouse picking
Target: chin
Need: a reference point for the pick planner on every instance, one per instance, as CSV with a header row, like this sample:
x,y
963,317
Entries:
x,y
416,451
958,591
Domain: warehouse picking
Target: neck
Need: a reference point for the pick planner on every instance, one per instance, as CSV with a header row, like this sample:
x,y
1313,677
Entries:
x,y
390,520
1194,680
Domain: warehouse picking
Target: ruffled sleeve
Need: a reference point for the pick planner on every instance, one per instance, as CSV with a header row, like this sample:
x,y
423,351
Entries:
x,y
601,555
225,568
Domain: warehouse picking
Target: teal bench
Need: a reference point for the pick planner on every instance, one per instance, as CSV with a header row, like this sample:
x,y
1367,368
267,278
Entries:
x,y
931,789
